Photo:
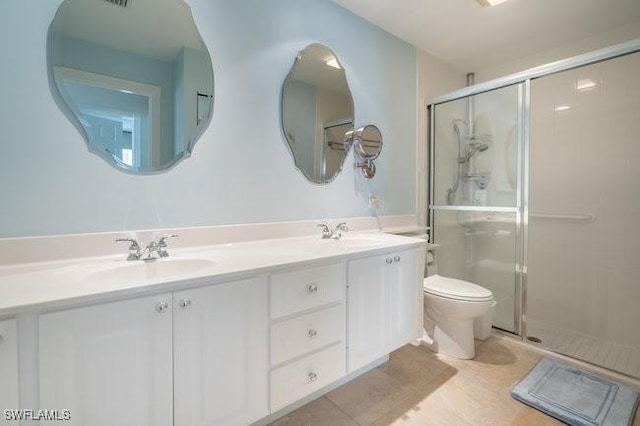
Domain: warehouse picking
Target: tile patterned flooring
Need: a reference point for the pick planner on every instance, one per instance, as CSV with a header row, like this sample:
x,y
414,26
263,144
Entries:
x,y
418,388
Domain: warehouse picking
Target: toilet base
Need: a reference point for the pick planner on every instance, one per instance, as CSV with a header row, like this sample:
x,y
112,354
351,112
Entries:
x,y
455,339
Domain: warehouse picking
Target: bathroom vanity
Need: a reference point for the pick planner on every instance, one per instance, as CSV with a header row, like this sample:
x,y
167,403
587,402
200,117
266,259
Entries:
x,y
221,335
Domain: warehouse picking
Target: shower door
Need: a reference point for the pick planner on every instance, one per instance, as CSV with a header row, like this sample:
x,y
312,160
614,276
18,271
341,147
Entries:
x,y
476,197
583,289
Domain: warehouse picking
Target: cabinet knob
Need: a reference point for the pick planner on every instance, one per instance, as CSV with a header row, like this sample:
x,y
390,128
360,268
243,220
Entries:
x,y
185,303
389,260
312,376
396,258
313,333
162,307
312,288
1,338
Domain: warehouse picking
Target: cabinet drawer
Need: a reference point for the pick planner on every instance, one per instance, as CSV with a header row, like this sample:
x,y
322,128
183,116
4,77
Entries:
x,y
298,379
307,333
297,291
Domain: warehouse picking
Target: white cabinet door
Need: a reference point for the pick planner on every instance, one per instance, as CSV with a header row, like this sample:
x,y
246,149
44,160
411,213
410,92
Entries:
x,y
109,364
8,367
221,356
384,305
405,286
367,311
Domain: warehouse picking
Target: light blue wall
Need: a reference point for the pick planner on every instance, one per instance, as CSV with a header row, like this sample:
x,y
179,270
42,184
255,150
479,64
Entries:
x,y
241,170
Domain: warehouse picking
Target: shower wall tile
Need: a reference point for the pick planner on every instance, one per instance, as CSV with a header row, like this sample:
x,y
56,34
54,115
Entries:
x,y
583,277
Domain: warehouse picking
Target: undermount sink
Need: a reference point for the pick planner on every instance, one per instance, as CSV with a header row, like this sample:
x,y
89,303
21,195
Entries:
x,y
152,270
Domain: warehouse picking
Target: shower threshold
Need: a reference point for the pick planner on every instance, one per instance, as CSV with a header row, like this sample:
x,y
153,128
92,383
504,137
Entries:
x,y
611,355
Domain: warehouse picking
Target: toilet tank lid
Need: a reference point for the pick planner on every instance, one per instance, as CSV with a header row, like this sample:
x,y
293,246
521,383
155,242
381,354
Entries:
x,y
456,289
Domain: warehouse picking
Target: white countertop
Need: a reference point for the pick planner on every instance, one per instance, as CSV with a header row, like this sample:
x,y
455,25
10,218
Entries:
x,y
35,286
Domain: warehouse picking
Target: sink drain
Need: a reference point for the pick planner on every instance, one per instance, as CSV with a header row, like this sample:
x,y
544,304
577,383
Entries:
x,y
534,339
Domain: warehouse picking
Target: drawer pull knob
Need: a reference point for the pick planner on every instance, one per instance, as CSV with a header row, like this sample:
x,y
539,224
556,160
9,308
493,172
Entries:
x,y
389,260
313,333
313,377
162,307
396,259
185,303
1,338
312,288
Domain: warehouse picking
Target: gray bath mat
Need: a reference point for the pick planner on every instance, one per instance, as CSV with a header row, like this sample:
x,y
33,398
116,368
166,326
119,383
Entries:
x,y
576,397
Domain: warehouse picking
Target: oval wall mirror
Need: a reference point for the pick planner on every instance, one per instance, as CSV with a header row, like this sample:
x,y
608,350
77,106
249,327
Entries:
x,y
135,78
317,113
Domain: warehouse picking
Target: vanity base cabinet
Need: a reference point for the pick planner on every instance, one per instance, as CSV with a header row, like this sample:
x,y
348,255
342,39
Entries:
x,y
225,354
109,364
307,331
384,304
221,362
8,367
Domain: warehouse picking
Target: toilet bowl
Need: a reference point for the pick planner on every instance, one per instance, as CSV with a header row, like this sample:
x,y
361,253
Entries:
x,y
456,312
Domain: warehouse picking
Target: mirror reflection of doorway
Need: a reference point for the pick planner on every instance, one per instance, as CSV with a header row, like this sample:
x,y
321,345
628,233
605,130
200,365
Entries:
x,y
333,147
119,116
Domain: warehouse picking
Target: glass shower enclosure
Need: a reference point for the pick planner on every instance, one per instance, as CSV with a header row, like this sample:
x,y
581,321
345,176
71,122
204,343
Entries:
x,y
534,195
476,198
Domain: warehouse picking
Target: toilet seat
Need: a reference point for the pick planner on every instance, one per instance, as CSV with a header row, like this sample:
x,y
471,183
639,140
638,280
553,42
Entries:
x,y
455,289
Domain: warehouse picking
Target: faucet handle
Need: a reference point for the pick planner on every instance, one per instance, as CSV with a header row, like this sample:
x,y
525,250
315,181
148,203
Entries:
x,y
326,232
162,245
337,231
134,248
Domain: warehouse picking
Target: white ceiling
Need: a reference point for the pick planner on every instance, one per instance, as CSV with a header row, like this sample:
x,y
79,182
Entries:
x,y
471,37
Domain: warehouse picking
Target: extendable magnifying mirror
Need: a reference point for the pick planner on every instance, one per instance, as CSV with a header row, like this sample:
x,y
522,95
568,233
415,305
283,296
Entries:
x,y
367,142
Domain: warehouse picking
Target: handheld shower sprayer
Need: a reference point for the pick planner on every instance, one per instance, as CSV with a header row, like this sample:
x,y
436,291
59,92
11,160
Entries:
x,y
474,148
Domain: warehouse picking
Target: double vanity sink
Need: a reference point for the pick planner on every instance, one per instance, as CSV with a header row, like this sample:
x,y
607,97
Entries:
x,y
32,285
228,334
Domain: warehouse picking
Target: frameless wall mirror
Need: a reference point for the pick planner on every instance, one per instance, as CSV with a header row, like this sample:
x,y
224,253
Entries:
x,y
135,78
367,142
317,112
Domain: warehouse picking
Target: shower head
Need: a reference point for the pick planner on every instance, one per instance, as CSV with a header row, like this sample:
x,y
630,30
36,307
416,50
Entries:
x,y
456,127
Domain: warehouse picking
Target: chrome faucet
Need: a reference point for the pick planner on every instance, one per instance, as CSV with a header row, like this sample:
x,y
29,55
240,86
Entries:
x,y
134,248
156,249
334,233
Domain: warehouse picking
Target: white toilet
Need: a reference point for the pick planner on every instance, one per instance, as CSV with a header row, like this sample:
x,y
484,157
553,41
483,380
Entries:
x,y
456,312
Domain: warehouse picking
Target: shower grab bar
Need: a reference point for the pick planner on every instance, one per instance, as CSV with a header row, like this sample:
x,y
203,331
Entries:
x,y
589,217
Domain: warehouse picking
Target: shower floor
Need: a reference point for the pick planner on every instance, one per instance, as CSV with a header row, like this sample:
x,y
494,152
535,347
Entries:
x,y
605,353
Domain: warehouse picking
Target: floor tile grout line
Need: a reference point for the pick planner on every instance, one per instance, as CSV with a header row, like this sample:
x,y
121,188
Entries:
x,y
340,409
